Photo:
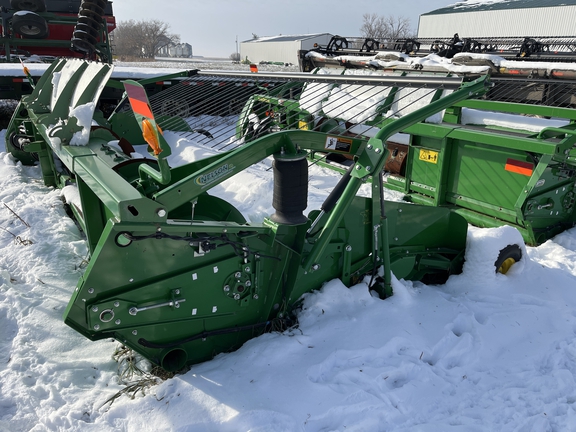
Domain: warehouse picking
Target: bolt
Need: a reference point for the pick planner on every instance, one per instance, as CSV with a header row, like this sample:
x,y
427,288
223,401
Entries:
x,y
161,213
369,147
248,283
237,275
247,269
176,305
177,291
94,308
255,296
96,327
116,304
117,322
368,168
226,288
316,267
348,248
377,150
236,296
90,290
133,311
134,332
358,167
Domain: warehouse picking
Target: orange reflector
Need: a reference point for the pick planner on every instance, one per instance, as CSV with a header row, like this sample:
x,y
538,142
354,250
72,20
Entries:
x,y
138,100
150,137
519,167
253,68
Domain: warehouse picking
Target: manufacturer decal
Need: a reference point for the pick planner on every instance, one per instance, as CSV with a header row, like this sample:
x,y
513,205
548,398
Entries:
x,y
212,176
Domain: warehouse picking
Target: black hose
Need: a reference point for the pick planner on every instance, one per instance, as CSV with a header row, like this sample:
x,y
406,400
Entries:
x,y
202,335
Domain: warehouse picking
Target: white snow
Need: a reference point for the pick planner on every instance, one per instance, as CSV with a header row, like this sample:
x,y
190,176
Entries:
x,y
483,352
511,121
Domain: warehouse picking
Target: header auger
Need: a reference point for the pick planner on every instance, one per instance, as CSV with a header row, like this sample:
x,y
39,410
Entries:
x,y
180,275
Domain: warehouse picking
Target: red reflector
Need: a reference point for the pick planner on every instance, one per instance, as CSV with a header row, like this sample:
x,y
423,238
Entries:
x,y
253,68
519,167
18,79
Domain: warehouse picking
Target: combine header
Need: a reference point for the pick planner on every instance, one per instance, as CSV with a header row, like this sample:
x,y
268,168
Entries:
x,y
180,275
505,158
345,50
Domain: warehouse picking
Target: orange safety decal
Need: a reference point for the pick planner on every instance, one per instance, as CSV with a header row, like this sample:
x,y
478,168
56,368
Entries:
x,y
138,100
519,167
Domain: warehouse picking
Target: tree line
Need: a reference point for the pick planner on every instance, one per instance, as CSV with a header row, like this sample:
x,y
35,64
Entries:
x,y
145,38
142,39
385,28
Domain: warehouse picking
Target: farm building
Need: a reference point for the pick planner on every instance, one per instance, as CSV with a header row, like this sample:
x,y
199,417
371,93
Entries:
x,y
282,48
510,18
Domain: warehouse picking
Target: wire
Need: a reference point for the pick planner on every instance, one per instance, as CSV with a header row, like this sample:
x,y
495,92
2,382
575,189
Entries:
x,y
240,249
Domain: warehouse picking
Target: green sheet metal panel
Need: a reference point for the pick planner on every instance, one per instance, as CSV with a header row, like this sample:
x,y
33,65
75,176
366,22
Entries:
x,y
487,179
425,165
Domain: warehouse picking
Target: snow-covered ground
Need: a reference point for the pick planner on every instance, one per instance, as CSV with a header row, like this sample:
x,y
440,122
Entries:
x,y
483,352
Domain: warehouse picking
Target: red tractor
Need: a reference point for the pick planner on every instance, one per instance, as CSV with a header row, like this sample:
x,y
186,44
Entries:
x,y
56,28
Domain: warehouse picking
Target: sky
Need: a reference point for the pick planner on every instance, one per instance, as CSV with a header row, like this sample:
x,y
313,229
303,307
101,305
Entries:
x,y
213,27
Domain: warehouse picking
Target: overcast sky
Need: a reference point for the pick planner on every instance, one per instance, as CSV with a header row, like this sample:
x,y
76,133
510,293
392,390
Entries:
x,y
211,27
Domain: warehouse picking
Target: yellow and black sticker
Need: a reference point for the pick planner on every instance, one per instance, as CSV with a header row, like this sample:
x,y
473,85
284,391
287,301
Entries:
x,y
338,144
302,125
428,156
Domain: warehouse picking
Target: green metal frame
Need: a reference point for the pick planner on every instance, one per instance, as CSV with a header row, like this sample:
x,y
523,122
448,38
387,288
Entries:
x,y
179,275
473,171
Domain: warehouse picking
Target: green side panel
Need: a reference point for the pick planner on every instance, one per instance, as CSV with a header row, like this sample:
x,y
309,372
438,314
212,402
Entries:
x,y
479,179
426,157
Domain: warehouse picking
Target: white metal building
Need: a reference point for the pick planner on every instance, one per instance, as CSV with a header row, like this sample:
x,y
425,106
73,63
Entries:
x,y
282,49
512,18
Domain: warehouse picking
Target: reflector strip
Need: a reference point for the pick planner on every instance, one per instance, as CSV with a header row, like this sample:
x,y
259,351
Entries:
x,y
519,167
138,100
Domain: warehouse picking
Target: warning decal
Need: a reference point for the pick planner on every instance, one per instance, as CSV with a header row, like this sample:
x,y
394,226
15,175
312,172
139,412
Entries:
x,y
338,144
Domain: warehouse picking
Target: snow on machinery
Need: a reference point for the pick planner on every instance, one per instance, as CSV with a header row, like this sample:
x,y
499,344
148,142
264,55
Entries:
x,y
348,51
180,275
505,158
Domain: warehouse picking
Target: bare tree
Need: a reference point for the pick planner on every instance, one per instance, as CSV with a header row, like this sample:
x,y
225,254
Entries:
x,y
142,38
373,26
383,28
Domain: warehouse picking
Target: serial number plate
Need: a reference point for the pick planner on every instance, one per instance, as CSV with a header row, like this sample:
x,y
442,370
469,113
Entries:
x,y
428,156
